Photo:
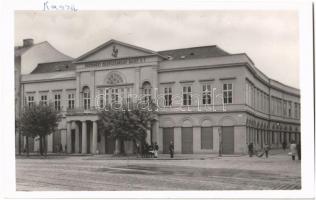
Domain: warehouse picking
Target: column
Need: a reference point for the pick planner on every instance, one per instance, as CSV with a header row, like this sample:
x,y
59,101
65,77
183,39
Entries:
x,y
148,139
160,139
94,137
215,139
155,130
177,140
117,147
49,144
196,139
137,80
68,137
76,127
84,137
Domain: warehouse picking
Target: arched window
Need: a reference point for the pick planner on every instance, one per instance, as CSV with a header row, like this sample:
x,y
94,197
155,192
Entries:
x,y
146,91
114,79
86,98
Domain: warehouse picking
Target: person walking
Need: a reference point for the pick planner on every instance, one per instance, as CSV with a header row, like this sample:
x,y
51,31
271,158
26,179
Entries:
x,y
284,145
293,150
250,149
266,149
156,148
298,149
171,149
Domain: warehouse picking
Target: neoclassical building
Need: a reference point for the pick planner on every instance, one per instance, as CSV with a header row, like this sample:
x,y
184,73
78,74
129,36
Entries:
x,y
204,94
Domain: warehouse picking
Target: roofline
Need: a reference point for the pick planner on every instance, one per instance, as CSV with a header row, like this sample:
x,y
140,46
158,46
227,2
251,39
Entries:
x,y
195,47
119,42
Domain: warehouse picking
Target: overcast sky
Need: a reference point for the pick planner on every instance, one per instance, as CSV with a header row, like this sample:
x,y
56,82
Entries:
x,y
270,38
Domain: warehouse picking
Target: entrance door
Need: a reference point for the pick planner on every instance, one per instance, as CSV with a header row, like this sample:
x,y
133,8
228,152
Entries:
x,y
56,141
187,140
228,139
168,136
73,140
109,145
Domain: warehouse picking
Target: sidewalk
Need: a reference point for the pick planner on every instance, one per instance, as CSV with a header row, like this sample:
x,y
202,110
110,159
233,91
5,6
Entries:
x,y
274,152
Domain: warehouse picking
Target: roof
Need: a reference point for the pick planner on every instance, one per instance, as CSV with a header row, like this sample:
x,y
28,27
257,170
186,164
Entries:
x,y
117,42
54,67
19,50
194,52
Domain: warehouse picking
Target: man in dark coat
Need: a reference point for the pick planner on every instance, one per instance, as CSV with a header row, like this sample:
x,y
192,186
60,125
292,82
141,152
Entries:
x,y
250,149
284,145
171,149
298,149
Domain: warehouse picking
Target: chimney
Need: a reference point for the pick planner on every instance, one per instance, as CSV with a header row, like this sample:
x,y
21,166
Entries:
x,y
28,42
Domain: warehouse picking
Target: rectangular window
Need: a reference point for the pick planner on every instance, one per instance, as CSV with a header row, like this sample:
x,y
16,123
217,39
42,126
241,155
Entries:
x,y
114,95
128,95
187,95
30,100
284,108
43,99
86,100
168,96
228,93
206,138
57,101
206,94
290,109
296,110
71,101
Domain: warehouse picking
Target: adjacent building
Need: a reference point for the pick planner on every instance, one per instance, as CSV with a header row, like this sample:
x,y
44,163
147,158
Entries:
x,y
205,95
26,57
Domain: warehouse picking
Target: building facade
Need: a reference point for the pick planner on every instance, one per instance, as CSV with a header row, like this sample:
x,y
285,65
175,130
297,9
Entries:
x,y
205,95
26,57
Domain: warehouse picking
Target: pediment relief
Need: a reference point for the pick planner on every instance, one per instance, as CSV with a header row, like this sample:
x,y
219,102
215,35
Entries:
x,y
114,50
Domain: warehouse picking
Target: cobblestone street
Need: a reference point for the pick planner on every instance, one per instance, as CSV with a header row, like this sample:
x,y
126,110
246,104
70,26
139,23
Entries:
x,y
185,172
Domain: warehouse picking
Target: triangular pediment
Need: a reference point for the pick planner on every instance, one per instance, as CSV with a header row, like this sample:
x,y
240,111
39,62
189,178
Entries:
x,y
114,49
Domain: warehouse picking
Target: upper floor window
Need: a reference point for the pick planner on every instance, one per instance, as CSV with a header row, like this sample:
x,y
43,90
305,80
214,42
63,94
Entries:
x,y
168,96
146,91
284,108
290,109
86,98
71,101
43,99
206,94
101,98
30,100
228,93
187,95
57,98
296,110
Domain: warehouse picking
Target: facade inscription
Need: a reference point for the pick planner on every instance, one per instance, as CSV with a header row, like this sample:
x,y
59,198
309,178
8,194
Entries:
x,y
124,61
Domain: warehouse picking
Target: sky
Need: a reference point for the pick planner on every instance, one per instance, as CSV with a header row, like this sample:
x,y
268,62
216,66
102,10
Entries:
x,y
270,38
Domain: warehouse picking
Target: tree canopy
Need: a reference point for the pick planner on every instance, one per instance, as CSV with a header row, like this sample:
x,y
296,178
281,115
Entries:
x,y
38,120
129,122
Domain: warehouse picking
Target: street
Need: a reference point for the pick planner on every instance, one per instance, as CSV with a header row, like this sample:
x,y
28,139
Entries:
x,y
185,172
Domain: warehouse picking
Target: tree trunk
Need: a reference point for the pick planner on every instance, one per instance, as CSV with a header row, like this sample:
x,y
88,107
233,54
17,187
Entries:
x,y
27,146
122,147
41,145
20,143
45,146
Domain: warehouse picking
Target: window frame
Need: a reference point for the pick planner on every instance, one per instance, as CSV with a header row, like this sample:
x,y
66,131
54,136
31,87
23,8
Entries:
x,y
227,91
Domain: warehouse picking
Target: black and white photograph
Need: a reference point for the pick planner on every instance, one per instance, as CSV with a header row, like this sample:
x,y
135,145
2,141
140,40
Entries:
x,y
159,100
